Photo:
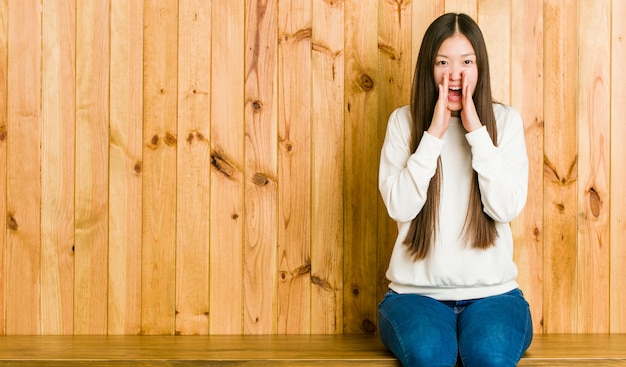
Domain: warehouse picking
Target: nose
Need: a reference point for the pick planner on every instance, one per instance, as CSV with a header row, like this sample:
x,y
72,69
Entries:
x,y
455,72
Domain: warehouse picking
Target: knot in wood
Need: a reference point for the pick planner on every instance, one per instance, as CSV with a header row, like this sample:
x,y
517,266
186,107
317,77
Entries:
x,y
260,179
368,326
366,82
257,105
3,133
137,167
11,223
155,140
594,202
170,139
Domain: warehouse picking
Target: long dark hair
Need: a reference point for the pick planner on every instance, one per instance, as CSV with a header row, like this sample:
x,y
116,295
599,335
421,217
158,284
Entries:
x,y
479,229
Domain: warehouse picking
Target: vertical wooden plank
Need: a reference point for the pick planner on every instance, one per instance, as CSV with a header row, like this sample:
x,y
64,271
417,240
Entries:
x,y
125,168
396,60
294,167
3,160
159,158
594,144
468,7
227,123
260,273
361,168
23,257
92,160
421,17
57,167
618,170
327,215
527,80
494,19
560,162
192,250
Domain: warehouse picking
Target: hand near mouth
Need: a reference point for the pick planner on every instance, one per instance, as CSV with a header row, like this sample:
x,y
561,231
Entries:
x,y
441,115
469,116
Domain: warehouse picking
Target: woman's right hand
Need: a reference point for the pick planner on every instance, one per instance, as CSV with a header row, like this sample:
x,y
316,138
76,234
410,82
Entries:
x,y
441,115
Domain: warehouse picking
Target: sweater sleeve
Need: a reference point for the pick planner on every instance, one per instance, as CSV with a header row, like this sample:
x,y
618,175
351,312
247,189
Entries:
x,y
502,170
404,177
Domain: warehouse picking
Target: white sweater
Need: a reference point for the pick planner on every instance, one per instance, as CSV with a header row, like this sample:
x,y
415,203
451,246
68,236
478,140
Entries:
x,y
454,270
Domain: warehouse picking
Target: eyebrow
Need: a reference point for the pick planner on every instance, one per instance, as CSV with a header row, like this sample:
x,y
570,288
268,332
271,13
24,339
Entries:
x,y
464,55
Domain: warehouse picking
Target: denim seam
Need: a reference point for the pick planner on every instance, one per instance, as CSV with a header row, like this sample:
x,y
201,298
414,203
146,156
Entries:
x,y
395,330
519,351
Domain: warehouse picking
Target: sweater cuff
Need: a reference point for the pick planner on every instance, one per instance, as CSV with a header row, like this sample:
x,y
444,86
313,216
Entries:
x,y
480,141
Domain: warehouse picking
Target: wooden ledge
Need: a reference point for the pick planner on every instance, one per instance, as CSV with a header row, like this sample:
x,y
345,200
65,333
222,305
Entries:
x,y
270,350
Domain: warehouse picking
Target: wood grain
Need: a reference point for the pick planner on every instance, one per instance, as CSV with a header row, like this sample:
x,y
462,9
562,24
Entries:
x,y
396,66
160,141
125,169
57,167
594,134
193,165
560,175
617,200
327,191
3,158
494,18
260,275
23,190
276,350
469,7
294,167
227,162
211,169
527,81
92,157
361,186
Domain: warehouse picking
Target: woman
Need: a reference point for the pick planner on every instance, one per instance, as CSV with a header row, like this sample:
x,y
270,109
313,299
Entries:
x,y
453,174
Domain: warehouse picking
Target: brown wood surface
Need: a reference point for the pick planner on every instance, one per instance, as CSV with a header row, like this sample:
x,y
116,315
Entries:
x,y
270,220
92,157
160,141
560,172
57,169
617,201
227,217
594,163
193,169
527,95
3,159
23,171
327,191
260,187
293,350
294,167
125,169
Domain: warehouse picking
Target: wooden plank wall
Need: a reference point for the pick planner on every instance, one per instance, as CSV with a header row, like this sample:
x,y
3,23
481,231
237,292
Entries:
x,y
210,167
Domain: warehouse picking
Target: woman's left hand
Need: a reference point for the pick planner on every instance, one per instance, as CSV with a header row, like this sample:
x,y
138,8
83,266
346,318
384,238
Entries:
x,y
469,116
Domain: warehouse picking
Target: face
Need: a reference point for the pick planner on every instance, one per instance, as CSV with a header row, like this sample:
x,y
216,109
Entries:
x,y
456,62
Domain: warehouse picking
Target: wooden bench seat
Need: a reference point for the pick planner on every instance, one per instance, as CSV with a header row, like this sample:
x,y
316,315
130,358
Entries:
x,y
298,350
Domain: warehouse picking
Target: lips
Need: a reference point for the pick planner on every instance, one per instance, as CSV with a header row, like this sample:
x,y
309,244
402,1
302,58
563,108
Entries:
x,y
454,92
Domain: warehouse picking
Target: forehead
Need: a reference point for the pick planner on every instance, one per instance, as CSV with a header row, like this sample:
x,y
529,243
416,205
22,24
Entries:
x,y
456,45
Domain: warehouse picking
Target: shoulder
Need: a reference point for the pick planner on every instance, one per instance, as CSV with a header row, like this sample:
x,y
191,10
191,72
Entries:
x,y
504,113
400,121
507,117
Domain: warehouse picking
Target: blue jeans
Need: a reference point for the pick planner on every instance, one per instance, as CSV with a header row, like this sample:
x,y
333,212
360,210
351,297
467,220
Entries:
x,y
421,331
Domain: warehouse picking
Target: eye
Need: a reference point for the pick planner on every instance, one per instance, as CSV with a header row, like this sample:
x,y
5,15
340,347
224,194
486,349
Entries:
x,y
441,63
469,62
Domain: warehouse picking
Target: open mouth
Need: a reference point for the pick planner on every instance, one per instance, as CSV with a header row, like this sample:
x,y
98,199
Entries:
x,y
454,92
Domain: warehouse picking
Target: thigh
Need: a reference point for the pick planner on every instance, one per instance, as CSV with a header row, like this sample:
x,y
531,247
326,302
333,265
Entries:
x,y
419,330
495,331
